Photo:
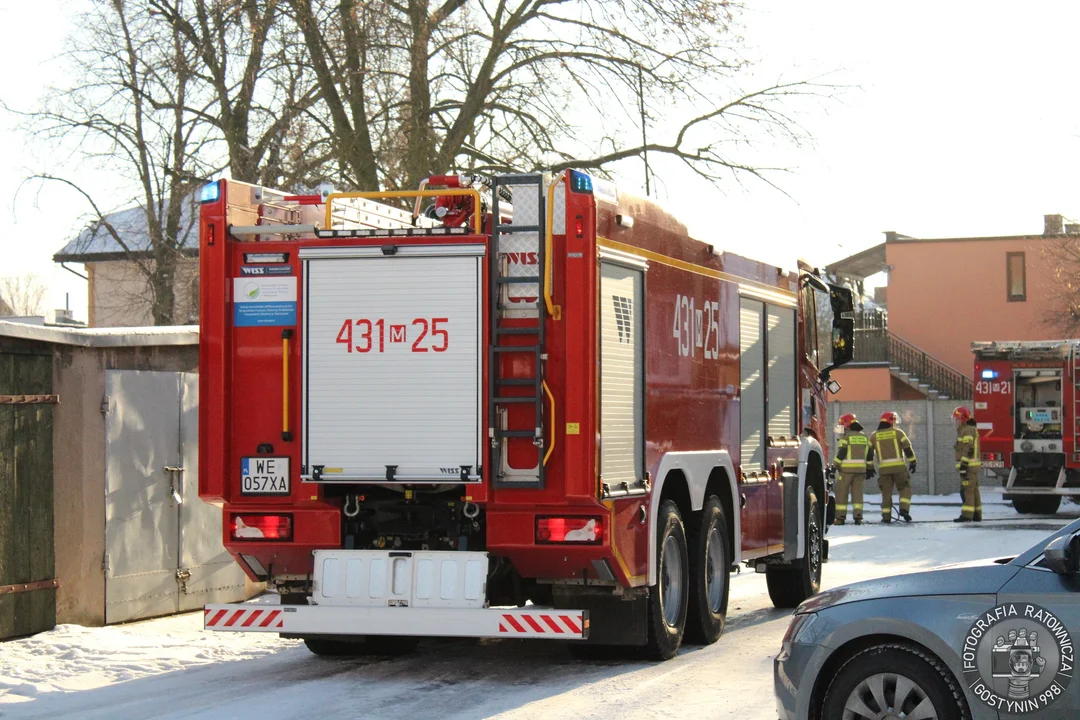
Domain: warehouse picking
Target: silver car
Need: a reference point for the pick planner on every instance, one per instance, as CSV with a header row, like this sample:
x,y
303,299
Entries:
x,y
978,640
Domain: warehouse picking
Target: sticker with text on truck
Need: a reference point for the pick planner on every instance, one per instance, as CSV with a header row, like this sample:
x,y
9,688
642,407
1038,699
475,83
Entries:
x,y
264,476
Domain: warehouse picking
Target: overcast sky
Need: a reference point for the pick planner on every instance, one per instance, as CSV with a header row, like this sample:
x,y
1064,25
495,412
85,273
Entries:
x,y
961,119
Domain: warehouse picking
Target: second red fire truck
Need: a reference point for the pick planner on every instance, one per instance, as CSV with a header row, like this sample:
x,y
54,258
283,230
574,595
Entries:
x,y
1027,408
535,408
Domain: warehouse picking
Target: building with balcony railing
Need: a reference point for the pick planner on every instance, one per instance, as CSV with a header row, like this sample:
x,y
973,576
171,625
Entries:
x,y
914,339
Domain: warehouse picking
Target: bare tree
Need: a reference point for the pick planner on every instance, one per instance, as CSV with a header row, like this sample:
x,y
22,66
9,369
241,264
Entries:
x,y
420,86
22,295
135,108
253,66
1061,254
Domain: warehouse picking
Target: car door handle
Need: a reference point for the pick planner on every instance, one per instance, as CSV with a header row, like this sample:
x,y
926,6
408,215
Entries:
x,y
172,469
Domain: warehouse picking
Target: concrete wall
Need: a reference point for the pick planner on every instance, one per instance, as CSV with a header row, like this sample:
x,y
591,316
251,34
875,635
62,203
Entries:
x,y
929,426
944,294
79,466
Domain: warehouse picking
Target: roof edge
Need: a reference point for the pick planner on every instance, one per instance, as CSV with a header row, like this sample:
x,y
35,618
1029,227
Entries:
x,y
104,337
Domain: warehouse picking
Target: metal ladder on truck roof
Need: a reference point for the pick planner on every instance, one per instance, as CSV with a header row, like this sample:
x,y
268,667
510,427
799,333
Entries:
x,y
513,246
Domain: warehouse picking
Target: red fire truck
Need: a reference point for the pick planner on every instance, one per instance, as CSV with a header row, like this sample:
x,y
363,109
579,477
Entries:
x,y
1027,399
536,408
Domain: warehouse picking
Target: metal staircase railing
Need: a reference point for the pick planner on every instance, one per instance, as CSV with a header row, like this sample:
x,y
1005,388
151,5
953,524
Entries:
x,y
928,369
875,344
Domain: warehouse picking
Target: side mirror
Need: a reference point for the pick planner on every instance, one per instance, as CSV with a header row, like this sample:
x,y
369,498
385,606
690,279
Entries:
x,y
1062,555
833,387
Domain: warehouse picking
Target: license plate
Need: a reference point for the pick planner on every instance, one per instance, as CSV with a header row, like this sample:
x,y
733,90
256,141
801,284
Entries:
x,y
264,476
993,463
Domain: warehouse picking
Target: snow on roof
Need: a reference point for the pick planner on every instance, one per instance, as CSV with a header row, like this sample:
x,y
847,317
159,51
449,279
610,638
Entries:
x,y
104,337
95,242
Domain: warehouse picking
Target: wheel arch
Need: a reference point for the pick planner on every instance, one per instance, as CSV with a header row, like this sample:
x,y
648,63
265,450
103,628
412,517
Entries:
x,y
811,474
689,477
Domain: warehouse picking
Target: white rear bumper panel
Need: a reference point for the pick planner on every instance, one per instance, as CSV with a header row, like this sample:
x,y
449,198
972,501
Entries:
x,y
529,622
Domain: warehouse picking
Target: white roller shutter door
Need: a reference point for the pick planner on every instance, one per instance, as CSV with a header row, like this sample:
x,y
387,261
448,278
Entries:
x,y
392,365
621,365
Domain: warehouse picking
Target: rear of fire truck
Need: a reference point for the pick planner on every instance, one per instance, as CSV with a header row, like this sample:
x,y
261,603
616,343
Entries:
x,y
400,416
1026,402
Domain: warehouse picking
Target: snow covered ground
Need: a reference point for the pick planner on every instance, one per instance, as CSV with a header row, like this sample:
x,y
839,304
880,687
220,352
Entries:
x,y
170,668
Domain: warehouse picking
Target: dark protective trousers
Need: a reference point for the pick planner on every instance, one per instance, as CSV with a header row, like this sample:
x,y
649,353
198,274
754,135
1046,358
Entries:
x,y
852,481
969,486
901,478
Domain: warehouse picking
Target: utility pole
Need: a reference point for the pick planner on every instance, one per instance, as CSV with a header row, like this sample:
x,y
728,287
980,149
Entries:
x,y
644,140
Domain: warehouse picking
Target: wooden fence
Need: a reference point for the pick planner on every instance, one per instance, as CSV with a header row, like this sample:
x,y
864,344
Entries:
x,y
27,572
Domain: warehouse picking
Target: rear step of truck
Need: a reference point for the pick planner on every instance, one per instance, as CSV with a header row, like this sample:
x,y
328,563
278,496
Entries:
x,y
429,593
527,622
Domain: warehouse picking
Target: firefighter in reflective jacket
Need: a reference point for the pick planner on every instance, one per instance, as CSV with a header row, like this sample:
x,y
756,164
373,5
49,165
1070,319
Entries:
x,y
851,451
895,463
968,462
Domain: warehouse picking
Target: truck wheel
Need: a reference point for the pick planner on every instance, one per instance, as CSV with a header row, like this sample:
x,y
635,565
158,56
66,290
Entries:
x,y
668,598
789,585
710,564
1045,504
1022,505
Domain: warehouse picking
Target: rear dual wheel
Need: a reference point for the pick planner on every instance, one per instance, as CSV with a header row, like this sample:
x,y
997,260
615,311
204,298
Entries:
x,y
690,598
710,566
669,598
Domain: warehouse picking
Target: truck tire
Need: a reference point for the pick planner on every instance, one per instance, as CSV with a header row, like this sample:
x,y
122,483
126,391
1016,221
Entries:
x,y
1045,504
668,598
710,565
1036,504
789,585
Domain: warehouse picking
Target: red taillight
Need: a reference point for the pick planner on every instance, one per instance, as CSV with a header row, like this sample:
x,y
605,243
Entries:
x,y
585,530
580,226
261,527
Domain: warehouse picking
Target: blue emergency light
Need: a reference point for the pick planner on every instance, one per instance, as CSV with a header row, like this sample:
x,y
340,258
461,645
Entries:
x,y
989,374
580,182
210,193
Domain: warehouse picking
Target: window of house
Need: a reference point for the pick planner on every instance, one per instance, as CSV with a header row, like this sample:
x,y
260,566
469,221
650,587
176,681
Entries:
x,y
1016,277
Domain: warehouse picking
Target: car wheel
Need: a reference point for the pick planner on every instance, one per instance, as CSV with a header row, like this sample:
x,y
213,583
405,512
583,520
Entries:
x,y
886,682
789,585
668,598
710,566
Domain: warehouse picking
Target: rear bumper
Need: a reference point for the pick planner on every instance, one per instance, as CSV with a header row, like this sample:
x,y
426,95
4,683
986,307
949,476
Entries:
x,y
529,622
